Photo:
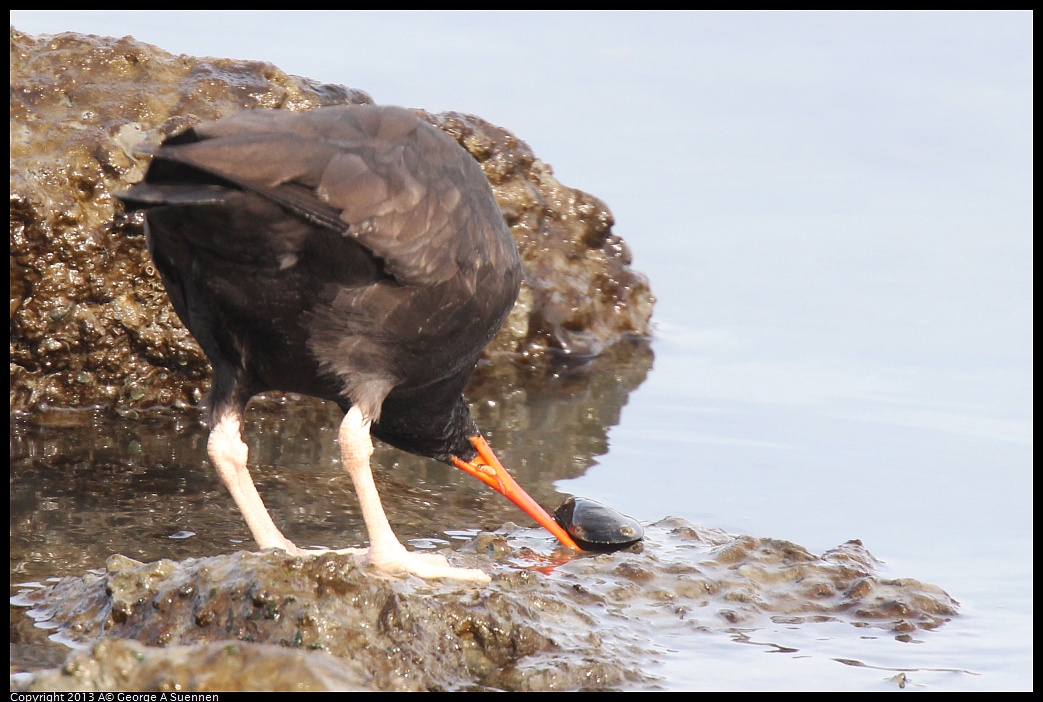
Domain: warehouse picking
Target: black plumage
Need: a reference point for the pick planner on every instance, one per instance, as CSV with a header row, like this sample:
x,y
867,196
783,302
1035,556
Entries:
x,y
350,253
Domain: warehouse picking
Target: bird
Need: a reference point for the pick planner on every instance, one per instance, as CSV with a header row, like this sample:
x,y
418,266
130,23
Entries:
x,y
352,253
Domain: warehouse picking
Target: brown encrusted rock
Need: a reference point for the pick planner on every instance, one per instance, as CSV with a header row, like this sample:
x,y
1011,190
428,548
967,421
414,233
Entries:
x,y
118,665
90,322
592,622
580,293
393,634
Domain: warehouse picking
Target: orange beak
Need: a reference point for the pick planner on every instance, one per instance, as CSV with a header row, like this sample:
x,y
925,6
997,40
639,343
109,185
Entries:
x,y
487,468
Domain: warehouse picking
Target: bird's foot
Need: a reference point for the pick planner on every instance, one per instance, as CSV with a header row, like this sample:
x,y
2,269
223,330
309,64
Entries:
x,y
399,561
396,560
294,550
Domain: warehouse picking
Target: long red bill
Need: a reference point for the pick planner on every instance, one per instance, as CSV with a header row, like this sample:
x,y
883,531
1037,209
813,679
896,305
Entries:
x,y
487,468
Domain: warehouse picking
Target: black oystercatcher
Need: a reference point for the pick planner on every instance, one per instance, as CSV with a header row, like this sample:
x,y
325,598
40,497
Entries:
x,y
350,253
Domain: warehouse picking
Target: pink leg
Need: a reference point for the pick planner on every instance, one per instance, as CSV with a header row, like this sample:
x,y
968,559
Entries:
x,y
385,550
229,455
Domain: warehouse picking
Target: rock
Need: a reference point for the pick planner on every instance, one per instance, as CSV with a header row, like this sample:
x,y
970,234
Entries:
x,y
90,322
126,666
563,623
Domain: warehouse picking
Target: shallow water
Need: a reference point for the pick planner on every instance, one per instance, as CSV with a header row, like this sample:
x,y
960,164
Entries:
x,y
834,212
85,490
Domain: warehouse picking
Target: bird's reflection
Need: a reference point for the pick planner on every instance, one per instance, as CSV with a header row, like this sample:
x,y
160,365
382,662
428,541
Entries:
x,y
83,488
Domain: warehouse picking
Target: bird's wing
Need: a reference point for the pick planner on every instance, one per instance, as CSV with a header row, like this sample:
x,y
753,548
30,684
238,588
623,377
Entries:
x,y
400,187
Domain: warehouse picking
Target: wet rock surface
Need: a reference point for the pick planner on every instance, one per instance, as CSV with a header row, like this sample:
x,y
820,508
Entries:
x,y
121,665
554,622
90,322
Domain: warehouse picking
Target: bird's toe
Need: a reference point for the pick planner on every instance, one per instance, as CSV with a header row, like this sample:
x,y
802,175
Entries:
x,y
428,566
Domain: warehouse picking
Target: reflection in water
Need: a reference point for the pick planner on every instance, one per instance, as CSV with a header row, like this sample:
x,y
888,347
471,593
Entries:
x,y
83,488
553,425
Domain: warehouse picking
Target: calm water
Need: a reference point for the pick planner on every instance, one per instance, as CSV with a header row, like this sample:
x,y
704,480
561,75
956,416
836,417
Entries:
x,y
835,213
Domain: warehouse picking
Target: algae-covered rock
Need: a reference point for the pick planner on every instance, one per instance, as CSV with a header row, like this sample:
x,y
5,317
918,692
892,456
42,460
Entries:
x,y
90,322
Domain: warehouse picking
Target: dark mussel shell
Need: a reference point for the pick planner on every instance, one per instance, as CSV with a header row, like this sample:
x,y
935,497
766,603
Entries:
x,y
596,527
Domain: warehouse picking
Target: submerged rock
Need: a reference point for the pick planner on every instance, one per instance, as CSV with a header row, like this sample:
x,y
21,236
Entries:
x,y
90,322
